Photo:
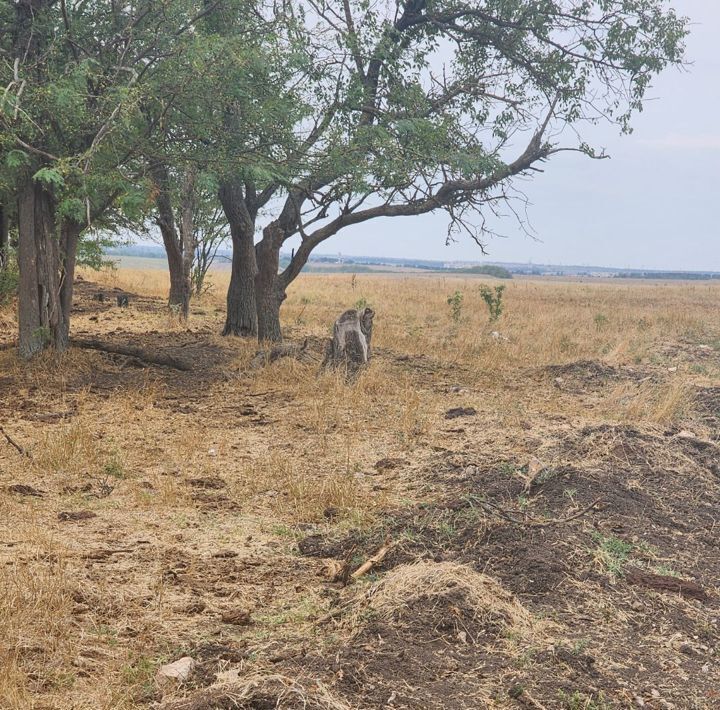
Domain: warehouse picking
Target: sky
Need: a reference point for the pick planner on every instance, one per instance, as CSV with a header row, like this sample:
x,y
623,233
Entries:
x,y
652,205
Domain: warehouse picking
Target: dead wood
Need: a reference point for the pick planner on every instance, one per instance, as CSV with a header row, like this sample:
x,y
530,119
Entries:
x,y
665,583
494,509
350,344
25,490
295,350
132,351
371,562
14,444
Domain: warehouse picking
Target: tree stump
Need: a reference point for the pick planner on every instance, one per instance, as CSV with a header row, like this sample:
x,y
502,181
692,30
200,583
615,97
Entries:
x,y
350,345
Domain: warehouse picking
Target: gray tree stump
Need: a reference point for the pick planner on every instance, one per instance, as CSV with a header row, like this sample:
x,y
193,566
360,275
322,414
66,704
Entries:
x,y
350,345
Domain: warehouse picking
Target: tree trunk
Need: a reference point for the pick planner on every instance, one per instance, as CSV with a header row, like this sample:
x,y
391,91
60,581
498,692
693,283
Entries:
x,y
269,291
69,237
4,235
174,241
179,297
242,316
42,319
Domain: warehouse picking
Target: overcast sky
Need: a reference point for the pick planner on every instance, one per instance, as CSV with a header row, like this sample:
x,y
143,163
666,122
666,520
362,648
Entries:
x,y
654,204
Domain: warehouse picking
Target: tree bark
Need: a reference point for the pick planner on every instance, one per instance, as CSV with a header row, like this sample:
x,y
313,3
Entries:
x,y
43,321
269,292
69,236
4,235
242,314
178,243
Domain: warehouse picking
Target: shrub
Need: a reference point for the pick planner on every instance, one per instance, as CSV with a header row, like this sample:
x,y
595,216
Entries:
x,y
493,300
455,302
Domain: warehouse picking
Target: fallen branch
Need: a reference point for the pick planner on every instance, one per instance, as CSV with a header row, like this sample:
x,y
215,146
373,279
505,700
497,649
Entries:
x,y
376,559
14,444
134,352
535,522
294,350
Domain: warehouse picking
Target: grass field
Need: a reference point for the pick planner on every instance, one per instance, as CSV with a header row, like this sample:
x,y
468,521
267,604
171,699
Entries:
x,y
545,489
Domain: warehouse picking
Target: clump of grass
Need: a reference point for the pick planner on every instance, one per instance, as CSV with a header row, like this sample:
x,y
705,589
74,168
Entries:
x,y
656,402
70,449
611,553
580,701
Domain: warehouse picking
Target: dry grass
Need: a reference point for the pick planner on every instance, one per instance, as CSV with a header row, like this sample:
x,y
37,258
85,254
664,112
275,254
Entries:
x,y
262,690
249,461
402,587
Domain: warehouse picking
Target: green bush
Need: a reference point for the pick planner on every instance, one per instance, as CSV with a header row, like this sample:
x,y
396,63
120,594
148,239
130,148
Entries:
x,y
493,300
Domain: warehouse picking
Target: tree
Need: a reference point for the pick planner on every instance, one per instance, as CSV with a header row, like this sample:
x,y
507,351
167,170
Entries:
x,y
427,105
69,125
210,234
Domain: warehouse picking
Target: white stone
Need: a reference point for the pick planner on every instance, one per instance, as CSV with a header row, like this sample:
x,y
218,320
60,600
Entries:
x,y
176,672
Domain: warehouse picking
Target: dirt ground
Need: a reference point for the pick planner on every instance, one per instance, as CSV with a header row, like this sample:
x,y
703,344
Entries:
x,y
543,493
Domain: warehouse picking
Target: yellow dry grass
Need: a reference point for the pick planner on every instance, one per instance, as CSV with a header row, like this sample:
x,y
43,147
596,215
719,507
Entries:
x,y
147,445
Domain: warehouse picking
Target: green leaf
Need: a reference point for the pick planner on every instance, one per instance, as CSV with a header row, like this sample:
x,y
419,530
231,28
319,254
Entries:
x,y
50,177
17,159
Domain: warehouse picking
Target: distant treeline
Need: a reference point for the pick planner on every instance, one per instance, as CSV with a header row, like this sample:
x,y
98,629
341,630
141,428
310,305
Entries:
x,y
499,272
667,275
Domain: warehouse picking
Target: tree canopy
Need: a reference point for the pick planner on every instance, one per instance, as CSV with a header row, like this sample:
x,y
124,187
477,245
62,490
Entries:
x,y
309,116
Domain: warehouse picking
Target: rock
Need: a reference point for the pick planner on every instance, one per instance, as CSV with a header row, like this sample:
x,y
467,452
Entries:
x,y
672,369
175,673
558,382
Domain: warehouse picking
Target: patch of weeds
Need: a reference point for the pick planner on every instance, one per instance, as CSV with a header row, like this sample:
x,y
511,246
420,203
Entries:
x,y
446,529
666,571
581,701
580,646
455,302
507,468
283,531
361,303
108,635
547,474
493,300
527,657
601,320
523,502
643,324
140,671
113,468
612,553
570,494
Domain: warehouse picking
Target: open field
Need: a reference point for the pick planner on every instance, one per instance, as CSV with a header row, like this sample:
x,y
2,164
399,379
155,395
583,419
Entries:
x,y
552,545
